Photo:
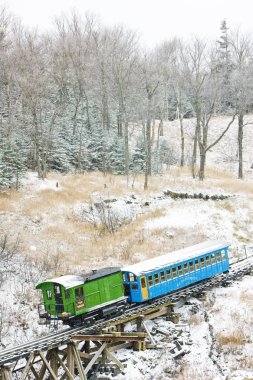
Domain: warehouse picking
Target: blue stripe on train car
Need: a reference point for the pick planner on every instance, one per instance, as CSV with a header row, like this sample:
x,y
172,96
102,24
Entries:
x,y
176,276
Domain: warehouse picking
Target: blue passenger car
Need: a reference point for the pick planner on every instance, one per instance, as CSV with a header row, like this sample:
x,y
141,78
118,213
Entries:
x,y
163,274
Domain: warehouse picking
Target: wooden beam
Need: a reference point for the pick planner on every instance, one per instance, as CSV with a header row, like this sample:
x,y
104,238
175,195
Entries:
x,y
109,338
36,375
114,359
28,366
156,314
5,373
115,347
54,377
79,363
54,361
95,357
135,316
65,368
70,360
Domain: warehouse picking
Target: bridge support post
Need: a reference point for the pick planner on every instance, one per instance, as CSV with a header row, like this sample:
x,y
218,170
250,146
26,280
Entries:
x,y
5,373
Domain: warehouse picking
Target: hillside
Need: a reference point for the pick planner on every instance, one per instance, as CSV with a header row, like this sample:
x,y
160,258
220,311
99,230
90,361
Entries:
x,y
73,223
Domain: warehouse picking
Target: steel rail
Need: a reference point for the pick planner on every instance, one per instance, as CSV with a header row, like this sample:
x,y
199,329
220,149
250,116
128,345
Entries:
x,y
11,355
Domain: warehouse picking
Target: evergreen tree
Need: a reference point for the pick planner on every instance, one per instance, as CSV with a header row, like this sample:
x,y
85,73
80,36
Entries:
x,y
138,158
117,156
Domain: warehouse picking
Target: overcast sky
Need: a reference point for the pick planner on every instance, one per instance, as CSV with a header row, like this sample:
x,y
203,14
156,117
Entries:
x,y
155,20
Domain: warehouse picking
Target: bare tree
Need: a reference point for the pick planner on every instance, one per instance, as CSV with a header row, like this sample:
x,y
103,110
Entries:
x,y
242,84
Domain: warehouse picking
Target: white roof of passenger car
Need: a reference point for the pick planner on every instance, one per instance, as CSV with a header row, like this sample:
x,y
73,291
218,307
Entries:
x,y
171,258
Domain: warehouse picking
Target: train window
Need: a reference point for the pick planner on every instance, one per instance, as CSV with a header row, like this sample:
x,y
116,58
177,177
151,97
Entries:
x,y
207,261
202,262
79,292
218,256
168,274
213,258
143,282
174,272
162,274
186,269
180,270
57,289
67,295
135,287
191,266
197,264
156,279
150,280
224,258
132,277
49,294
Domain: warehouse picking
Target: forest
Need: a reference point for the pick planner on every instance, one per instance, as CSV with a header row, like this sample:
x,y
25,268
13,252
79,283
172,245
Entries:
x,y
71,98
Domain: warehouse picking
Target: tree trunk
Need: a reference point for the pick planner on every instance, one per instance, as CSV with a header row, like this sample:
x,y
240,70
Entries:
x,y
126,145
240,145
195,143
182,139
202,164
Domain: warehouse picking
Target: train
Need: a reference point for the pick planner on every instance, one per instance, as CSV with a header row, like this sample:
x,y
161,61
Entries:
x,y
107,292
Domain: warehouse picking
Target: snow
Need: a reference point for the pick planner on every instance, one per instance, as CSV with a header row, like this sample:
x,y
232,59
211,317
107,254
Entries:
x,y
68,281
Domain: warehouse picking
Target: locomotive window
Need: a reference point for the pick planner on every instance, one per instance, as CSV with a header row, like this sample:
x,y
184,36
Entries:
x,y
67,295
168,274
197,264
162,276
218,256
156,279
213,258
223,256
150,280
186,269
202,262
57,289
191,266
207,261
49,294
79,292
180,270
174,272
132,277
135,287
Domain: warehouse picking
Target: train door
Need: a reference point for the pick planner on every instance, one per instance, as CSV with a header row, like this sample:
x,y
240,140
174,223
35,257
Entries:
x,y
79,298
144,289
59,307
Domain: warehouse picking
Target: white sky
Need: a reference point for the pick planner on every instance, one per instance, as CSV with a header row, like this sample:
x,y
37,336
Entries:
x,y
155,20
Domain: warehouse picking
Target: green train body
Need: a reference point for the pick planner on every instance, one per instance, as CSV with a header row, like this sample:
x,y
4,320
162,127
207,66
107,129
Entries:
x,y
76,298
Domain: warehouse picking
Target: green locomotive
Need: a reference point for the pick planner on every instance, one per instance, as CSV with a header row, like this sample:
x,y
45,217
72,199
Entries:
x,y
74,299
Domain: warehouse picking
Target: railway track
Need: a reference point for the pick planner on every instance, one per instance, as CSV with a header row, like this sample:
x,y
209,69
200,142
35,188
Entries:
x,y
12,355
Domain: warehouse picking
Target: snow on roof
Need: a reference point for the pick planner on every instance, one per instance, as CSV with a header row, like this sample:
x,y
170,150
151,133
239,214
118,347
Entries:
x,y
68,281
176,256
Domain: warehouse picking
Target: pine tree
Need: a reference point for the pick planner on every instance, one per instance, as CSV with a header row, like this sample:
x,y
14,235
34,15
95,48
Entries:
x,y
117,156
138,158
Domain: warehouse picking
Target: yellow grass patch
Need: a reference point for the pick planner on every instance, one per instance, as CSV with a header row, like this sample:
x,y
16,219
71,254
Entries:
x,y
236,337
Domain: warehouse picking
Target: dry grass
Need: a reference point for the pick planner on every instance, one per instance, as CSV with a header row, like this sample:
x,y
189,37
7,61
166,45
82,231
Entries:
x,y
226,205
8,199
235,337
51,219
